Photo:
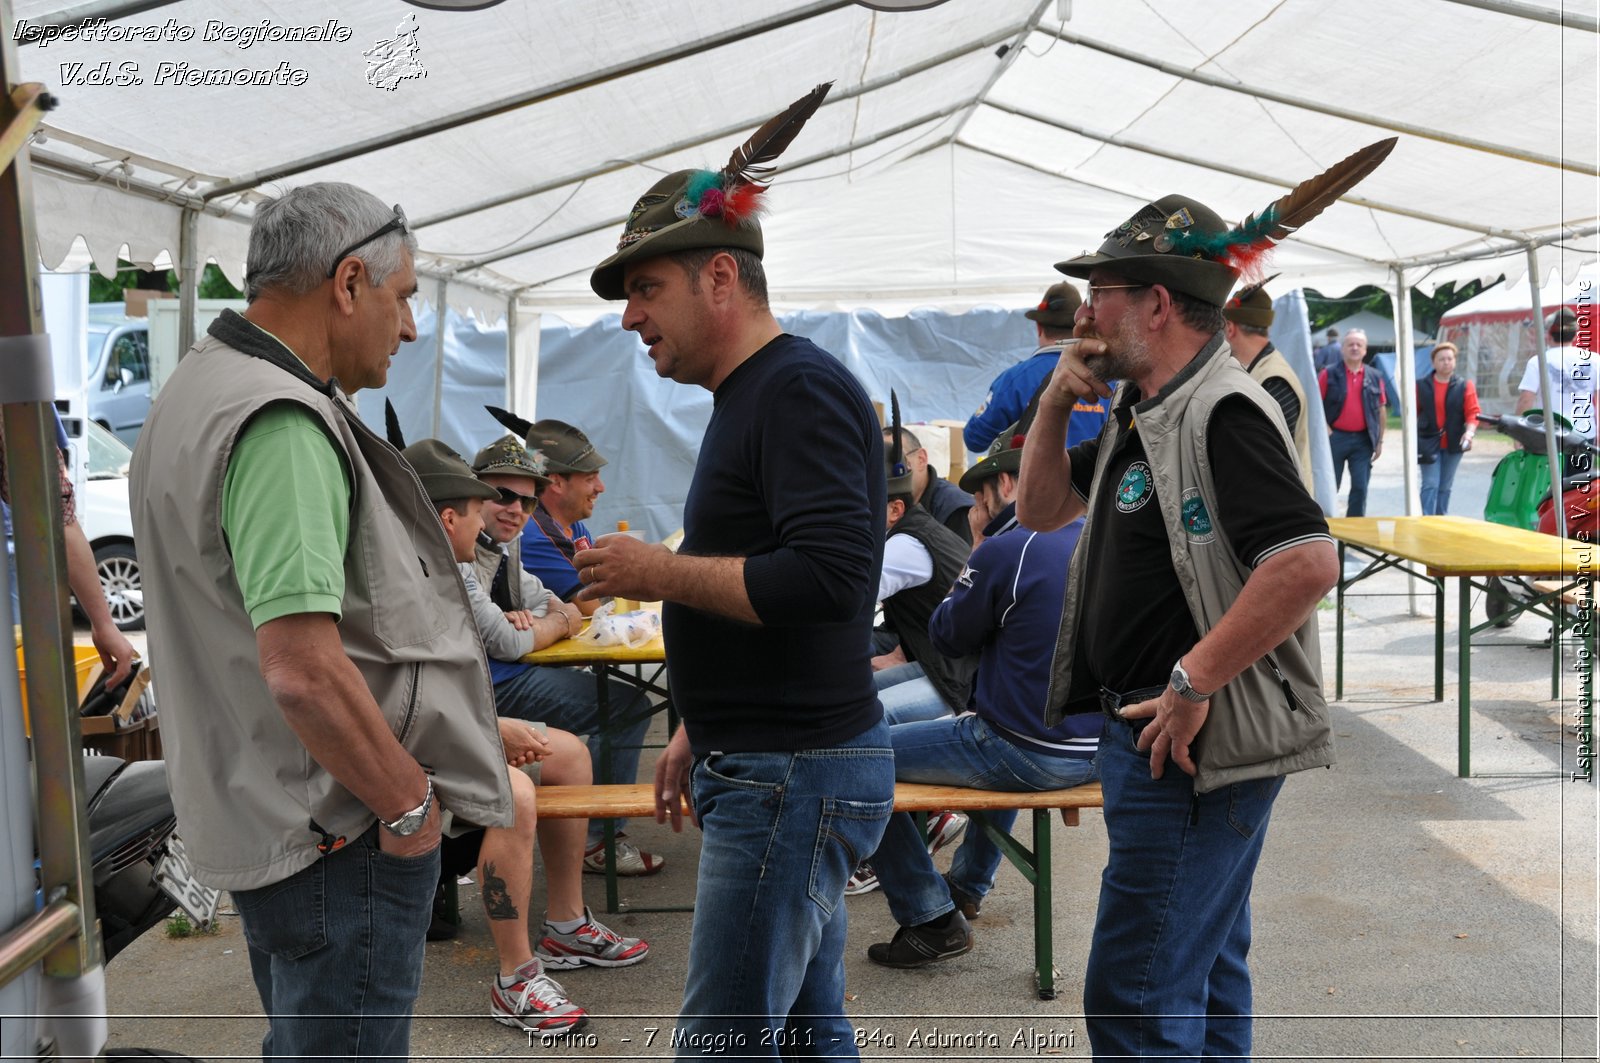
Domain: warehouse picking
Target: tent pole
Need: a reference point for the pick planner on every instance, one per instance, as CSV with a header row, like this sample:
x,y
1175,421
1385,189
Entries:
x,y
1552,455
441,311
511,352
1405,364
188,277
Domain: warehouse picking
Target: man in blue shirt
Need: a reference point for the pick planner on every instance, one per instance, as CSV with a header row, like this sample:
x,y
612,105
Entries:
x,y
1006,607
1014,389
566,499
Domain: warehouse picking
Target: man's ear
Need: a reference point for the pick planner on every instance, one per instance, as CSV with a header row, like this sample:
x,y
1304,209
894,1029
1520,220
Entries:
x,y
723,274
348,280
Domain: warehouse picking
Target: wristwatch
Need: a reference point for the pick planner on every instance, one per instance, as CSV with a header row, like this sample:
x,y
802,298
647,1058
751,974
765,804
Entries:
x,y
1182,686
412,821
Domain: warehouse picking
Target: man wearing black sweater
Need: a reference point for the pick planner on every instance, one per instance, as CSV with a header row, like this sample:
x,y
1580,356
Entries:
x,y
783,748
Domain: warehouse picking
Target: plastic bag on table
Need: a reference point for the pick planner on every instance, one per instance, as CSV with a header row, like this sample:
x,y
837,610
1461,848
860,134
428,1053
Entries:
x,y
632,629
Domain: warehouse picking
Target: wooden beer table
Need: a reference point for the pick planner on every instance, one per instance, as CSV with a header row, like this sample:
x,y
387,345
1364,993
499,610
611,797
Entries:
x,y
641,667
1474,552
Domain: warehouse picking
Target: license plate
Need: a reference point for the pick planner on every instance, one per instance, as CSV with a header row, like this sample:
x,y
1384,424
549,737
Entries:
x,y
175,875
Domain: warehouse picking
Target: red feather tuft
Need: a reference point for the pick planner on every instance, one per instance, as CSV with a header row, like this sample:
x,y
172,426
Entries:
x,y
1250,260
1017,441
742,202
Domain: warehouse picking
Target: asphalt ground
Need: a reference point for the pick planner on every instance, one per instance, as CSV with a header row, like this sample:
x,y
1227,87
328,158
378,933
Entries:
x,y
1400,912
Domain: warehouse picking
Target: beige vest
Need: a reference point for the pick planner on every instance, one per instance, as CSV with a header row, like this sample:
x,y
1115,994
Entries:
x,y
243,786
1276,365
1272,718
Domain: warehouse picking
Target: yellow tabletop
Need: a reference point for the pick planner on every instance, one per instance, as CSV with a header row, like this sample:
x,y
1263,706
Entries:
x,y
581,651
1463,546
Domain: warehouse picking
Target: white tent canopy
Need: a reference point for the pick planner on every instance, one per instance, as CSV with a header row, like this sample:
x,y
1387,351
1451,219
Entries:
x,y
964,149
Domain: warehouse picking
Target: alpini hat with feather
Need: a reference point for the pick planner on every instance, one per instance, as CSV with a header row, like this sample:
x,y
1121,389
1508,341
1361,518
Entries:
x,y
1184,245
693,209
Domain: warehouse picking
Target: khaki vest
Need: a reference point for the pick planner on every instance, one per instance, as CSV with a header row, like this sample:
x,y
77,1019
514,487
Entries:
x,y
1276,365
243,786
1272,718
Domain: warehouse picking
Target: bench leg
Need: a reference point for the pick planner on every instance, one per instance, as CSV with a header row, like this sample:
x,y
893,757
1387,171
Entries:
x,y
1043,928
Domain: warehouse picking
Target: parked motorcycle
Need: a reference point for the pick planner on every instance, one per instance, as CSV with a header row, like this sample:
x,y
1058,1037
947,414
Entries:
x,y
141,872
1520,496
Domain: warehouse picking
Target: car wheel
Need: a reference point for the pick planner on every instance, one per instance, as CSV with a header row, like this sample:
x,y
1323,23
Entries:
x,y
118,567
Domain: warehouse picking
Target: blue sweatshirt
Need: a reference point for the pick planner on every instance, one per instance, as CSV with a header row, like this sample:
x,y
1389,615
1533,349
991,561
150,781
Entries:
x,y
1010,394
1006,606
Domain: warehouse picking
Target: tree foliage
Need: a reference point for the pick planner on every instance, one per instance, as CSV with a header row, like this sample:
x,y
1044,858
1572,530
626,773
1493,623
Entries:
x,y
213,283
1426,310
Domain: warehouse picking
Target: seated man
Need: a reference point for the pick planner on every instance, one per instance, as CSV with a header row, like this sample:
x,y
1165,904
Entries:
x,y
947,502
523,995
570,467
1006,607
921,559
516,615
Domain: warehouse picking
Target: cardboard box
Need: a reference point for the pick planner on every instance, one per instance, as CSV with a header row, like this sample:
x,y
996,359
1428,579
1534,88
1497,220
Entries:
x,y
136,301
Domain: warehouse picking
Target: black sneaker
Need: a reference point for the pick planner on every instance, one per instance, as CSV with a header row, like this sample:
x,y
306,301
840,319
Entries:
x,y
966,903
918,946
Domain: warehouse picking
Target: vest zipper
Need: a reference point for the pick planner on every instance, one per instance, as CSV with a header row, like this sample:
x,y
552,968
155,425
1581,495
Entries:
x,y
411,702
1295,704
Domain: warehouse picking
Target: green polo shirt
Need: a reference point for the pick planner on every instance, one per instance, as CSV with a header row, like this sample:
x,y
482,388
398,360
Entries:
x,y
286,515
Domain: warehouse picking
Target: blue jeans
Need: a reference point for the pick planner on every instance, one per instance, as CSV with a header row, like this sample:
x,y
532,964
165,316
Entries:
x,y
1167,975
336,952
782,834
1437,480
1354,448
565,698
893,677
958,751
913,700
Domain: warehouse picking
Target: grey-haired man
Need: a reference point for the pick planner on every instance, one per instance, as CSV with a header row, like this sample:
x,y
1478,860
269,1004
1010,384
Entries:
x,y
325,693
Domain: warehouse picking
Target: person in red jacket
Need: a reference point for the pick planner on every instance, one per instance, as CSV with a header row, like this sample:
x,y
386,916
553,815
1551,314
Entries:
x,y
1447,419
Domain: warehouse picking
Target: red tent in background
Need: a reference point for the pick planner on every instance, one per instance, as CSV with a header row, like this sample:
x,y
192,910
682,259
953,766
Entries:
x,y
1496,334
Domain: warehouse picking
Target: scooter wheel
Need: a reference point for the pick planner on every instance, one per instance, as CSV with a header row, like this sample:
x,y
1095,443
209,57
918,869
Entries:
x,y
1497,606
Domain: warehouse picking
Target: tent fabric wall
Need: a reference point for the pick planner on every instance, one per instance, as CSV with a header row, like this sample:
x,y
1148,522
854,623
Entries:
x,y
966,147
598,377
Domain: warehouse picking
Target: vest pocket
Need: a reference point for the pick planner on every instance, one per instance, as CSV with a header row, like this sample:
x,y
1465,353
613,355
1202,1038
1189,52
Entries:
x,y
401,597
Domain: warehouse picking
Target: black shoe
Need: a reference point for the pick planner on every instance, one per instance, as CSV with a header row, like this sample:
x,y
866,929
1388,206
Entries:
x,y
442,927
966,903
918,946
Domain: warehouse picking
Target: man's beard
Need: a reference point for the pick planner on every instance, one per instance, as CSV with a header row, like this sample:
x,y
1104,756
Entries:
x,y
1127,354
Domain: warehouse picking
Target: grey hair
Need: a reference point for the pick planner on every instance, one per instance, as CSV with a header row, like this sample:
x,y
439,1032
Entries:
x,y
294,238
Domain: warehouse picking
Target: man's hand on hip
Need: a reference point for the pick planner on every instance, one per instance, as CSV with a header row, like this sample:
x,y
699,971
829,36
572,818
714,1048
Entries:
x,y
1174,721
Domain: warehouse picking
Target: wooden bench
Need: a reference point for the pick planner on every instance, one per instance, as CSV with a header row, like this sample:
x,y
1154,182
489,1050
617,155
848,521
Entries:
x,y
638,799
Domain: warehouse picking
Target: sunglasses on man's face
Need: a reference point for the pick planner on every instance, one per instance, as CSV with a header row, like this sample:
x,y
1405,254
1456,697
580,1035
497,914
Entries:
x,y
509,497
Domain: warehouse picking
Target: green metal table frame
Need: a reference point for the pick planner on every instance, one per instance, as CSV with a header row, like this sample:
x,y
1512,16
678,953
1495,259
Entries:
x,y
1546,605
1035,867
654,683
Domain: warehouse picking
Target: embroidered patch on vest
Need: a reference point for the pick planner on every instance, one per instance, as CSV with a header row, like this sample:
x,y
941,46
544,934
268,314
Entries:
x,y
1136,488
1196,520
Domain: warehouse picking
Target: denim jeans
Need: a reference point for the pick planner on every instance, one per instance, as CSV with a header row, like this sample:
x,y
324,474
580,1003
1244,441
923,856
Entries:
x,y
1167,975
565,698
893,677
1356,449
782,834
916,699
1437,480
958,751
336,952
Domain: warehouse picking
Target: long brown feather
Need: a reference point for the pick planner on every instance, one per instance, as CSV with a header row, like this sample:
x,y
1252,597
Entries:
x,y
768,142
1311,197
519,425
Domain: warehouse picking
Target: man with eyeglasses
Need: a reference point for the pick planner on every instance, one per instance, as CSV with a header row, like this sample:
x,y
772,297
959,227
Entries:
x,y
571,468
560,697
324,695
1189,623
